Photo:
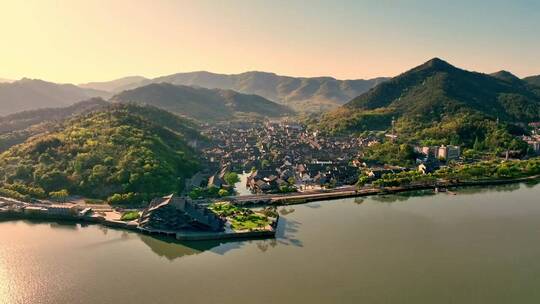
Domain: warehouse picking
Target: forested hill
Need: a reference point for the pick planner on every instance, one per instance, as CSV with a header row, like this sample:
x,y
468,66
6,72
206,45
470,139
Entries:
x,y
16,128
124,149
202,104
25,119
435,91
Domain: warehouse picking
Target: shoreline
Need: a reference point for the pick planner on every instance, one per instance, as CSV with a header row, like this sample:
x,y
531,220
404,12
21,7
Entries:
x,y
299,198
269,200
178,235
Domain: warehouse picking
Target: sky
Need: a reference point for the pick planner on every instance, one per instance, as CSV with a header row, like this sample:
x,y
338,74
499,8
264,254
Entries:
x,y
97,40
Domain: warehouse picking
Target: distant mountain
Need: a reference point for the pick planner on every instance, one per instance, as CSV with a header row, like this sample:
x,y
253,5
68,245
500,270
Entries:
x,y
301,93
116,85
18,127
30,94
433,91
2,80
533,80
507,76
200,103
132,151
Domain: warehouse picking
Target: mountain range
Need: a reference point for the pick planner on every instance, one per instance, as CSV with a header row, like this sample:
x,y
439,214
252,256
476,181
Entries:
x,y
435,90
30,94
201,103
300,93
113,86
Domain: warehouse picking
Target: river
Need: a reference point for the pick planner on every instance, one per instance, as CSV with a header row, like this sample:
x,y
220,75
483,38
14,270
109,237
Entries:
x,y
479,246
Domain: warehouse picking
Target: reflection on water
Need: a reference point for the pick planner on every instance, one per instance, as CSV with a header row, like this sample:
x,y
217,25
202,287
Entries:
x,y
404,196
479,246
173,249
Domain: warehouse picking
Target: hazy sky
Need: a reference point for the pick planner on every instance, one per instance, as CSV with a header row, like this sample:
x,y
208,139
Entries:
x,y
79,41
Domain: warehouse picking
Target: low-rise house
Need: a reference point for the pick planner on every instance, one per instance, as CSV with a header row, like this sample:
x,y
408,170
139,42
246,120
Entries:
x,y
449,152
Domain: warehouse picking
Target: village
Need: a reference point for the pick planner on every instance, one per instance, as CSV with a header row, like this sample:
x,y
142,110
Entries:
x,y
280,162
282,157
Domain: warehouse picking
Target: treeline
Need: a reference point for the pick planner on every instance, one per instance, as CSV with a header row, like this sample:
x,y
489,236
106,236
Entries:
x,y
487,170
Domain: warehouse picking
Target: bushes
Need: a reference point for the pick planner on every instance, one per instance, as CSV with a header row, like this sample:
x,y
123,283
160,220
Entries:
x,y
223,192
130,216
59,195
35,192
403,178
125,199
231,178
13,194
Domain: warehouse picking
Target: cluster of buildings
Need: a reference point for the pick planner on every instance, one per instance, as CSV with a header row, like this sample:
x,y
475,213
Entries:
x,y
281,153
443,152
44,210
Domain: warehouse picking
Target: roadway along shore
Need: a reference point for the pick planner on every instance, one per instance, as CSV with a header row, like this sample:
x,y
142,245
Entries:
x,y
353,191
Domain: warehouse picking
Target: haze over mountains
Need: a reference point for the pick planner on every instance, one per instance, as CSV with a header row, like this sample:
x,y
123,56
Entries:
x,y
200,103
30,94
116,85
300,93
435,90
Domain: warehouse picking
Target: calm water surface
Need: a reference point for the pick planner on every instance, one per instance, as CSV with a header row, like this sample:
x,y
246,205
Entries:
x,y
480,246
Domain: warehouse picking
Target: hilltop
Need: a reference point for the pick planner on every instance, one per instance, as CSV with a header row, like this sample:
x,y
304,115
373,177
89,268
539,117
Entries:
x,y
200,103
16,128
30,94
433,92
301,93
134,151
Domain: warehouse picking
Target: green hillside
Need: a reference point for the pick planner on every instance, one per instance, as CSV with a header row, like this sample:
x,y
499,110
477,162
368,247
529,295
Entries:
x,y
123,149
433,92
18,127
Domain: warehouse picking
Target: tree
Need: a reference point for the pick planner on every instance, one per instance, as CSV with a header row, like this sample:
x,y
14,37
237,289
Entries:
x,y
362,181
231,178
265,163
59,195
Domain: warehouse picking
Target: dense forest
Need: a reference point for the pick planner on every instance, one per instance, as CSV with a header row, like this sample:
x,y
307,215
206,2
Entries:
x,y
18,127
123,153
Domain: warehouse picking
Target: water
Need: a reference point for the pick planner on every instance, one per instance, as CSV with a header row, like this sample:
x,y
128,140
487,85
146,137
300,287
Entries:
x,y
480,246
240,187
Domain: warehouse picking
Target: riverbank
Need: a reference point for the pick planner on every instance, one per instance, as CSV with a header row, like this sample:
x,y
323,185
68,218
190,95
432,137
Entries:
x,y
21,214
254,200
352,191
